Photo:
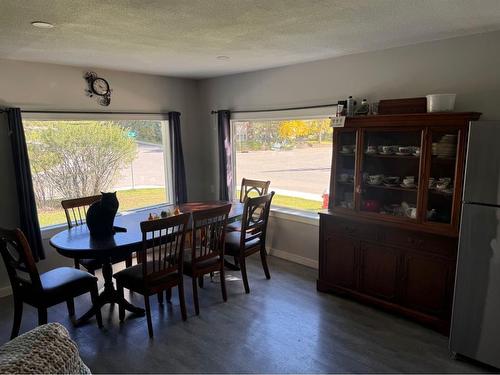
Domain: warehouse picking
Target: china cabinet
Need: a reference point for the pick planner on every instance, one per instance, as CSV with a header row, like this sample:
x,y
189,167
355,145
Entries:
x,y
390,235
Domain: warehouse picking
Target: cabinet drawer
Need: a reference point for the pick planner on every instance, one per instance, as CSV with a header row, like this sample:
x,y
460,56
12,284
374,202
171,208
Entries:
x,y
352,229
444,246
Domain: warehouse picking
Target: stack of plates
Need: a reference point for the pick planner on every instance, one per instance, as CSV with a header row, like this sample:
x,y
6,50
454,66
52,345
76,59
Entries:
x,y
446,147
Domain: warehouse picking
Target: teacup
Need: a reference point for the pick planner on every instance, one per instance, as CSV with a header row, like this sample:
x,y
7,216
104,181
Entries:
x,y
442,185
416,151
409,180
347,148
375,179
371,149
411,212
431,182
404,150
387,149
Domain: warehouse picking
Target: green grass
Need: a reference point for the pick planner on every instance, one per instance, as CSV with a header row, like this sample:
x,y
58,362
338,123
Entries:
x,y
129,199
291,202
138,198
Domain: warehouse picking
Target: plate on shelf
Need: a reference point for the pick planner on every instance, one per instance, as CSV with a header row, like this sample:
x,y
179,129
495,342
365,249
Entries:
x,y
374,183
386,184
386,153
346,152
412,186
403,153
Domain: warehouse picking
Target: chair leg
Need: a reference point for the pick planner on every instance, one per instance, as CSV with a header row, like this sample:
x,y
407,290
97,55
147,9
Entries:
x,y
121,311
160,297
42,316
182,300
243,267
168,292
263,258
94,296
195,297
71,307
18,314
200,281
223,282
148,315
77,264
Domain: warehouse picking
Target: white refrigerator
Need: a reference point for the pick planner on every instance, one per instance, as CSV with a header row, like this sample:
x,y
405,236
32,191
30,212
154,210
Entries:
x,y
475,327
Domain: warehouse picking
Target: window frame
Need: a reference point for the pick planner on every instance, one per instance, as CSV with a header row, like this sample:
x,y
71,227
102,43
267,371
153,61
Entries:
x,y
51,230
289,213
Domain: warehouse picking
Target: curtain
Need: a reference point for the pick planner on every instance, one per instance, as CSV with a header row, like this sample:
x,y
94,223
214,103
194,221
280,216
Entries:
x,y
25,195
225,156
179,173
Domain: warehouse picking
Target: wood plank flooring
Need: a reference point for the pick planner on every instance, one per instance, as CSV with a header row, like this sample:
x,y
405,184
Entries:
x,y
284,325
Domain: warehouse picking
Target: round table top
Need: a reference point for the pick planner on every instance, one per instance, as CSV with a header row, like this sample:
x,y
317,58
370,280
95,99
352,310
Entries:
x,y
76,242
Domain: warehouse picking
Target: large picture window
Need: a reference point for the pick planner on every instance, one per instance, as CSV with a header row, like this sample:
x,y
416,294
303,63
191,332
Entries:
x,y
295,155
71,159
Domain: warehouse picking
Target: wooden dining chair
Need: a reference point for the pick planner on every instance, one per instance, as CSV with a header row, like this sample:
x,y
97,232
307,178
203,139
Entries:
x,y
249,188
44,290
160,263
76,212
253,188
206,254
252,237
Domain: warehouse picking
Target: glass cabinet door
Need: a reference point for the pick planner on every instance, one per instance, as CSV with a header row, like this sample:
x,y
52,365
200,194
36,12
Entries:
x,y
390,172
345,164
441,183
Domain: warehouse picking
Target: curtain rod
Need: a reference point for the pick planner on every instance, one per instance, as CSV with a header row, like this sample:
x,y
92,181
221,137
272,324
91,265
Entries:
x,y
280,109
94,112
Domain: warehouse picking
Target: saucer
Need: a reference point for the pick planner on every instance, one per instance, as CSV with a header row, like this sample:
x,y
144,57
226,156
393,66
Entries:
x,y
386,153
411,186
387,184
373,183
346,152
403,153
416,154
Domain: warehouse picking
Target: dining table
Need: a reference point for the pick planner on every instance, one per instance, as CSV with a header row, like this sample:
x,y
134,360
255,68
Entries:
x,y
77,243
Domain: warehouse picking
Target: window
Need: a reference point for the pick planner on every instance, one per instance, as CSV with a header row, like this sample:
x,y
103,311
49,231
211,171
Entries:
x,y
295,155
71,159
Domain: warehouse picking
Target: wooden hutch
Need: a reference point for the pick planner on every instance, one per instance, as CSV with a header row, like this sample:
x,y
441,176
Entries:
x,y
385,240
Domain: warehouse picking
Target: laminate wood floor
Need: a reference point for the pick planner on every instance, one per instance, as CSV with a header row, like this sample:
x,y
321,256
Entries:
x,y
284,325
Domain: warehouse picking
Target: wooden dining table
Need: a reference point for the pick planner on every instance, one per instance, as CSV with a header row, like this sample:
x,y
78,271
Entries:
x,y
77,243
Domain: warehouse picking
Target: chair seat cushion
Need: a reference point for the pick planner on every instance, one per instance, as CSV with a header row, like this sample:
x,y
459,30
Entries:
x,y
234,226
66,281
233,243
133,277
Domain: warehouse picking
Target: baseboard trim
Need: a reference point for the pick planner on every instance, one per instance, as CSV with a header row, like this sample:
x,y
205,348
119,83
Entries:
x,y
5,291
294,258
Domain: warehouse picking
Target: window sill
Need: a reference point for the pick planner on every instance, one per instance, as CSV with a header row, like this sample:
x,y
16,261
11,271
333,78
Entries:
x,y
298,216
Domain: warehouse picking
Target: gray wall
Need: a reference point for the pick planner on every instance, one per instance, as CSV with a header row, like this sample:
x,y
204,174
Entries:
x,y
467,66
56,87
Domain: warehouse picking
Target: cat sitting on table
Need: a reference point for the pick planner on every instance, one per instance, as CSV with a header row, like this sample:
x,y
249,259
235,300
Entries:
x,y
101,216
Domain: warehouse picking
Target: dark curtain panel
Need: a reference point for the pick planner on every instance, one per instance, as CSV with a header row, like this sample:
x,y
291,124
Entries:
x,y
225,156
25,195
180,187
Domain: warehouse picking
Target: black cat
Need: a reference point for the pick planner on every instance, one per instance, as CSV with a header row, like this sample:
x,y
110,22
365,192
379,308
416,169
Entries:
x,y
101,216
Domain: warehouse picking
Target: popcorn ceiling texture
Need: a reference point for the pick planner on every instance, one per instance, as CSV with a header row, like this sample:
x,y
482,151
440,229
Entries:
x,y
183,37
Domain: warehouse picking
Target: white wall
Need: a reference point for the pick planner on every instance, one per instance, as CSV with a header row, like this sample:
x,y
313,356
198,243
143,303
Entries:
x,y
467,66
55,87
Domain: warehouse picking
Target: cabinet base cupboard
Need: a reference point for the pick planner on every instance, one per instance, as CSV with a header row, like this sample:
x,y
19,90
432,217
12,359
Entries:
x,y
390,235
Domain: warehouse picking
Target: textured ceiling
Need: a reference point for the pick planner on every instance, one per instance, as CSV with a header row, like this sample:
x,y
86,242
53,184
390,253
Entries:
x,y
183,37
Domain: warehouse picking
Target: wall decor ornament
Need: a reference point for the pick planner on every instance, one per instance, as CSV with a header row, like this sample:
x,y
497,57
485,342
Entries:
x,y
98,87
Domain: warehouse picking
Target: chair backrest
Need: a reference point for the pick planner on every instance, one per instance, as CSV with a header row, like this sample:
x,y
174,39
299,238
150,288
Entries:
x,y
253,186
19,261
255,218
76,209
163,246
208,233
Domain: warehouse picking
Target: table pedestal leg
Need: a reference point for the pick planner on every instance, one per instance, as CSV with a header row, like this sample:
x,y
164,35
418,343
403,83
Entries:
x,y
109,295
